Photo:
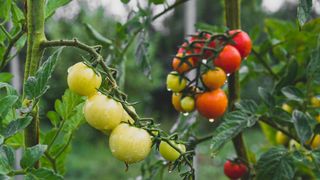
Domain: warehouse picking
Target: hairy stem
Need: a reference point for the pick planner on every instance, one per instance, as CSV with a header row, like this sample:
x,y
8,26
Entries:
x,y
35,33
232,12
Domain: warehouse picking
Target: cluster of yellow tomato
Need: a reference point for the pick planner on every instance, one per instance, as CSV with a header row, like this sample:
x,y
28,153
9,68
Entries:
x,y
127,142
281,138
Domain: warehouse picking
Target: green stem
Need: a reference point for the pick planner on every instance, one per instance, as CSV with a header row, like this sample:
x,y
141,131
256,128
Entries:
x,y
17,172
35,34
232,10
265,64
51,160
5,58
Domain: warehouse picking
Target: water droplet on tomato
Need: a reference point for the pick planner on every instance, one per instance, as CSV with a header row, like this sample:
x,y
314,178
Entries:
x,y
186,114
169,89
211,120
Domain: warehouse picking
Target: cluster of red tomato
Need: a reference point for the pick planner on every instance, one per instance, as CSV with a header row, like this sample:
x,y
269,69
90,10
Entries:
x,y
212,57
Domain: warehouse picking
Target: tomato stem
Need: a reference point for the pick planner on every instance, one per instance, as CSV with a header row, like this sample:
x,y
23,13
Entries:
x,y
232,12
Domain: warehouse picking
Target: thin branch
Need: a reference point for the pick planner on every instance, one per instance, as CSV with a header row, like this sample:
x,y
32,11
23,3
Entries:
x,y
64,147
73,43
51,160
5,32
177,3
265,64
11,44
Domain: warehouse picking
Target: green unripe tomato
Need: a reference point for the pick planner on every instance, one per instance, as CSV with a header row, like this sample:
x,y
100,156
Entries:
x,y
102,112
175,83
130,144
168,152
187,104
83,80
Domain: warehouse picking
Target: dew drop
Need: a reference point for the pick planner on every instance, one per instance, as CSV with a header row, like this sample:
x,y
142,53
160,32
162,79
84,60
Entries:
x,y
170,171
204,61
228,74
211,120
169,89
186,114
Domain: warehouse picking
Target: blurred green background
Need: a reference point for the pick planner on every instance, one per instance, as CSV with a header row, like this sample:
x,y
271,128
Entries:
x,y
90,157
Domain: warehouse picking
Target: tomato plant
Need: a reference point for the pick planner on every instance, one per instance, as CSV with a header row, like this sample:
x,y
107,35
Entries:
x,y
208,72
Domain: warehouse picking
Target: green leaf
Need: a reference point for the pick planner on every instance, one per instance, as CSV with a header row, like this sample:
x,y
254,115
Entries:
x,y
266,97
54,118
304,11
289,76
302,126
6,104
6,159
43,174
247,106
157,1
125,1
269,132
292,93
10,89
31,155
142,56
53,5
275,164
5,77
232,124
75,120
16,126
66,107
97,36
17,14
37,85
5,10
313,68
1,139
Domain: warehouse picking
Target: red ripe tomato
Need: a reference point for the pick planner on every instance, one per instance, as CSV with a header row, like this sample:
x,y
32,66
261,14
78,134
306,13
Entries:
x,y
212,104
229,59
234,170
243,42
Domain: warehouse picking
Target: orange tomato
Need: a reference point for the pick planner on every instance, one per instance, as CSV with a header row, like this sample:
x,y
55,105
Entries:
x,y
214,79
212,104
182,67
176,98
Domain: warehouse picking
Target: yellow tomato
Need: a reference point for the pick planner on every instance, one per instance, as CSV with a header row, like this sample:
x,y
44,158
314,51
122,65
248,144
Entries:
x,y
315,101
287,108
175,83
130,144
168,152
281,138
102,112
83,80
318,118
187,104
316,142
176,98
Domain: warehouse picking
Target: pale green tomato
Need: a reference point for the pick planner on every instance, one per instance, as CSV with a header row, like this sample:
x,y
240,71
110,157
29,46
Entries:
x,y
102,112
175,83
168,152
187,104
130,144
83,80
